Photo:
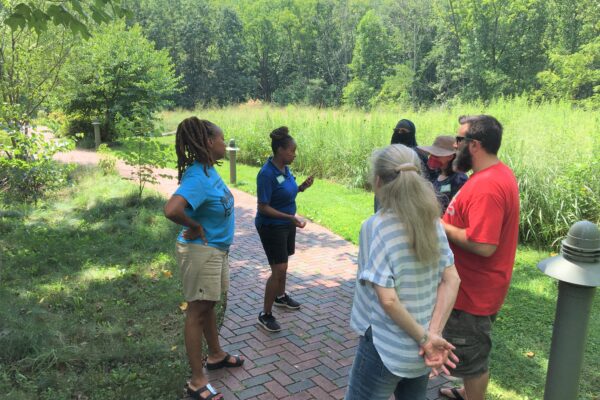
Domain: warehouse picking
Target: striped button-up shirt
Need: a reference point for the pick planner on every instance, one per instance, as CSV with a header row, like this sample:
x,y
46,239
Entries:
x,y
386,259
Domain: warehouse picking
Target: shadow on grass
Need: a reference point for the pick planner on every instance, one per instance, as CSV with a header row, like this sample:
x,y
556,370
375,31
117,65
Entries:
x,y
90,300
90,309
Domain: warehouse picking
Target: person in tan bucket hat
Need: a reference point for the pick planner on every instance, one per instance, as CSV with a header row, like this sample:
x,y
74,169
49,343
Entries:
x,y
446,181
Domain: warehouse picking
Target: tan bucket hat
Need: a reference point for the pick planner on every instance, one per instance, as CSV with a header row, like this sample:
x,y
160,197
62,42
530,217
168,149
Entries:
x,y
442,146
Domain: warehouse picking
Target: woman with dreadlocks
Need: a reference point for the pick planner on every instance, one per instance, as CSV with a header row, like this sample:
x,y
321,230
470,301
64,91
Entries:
x,y
203,205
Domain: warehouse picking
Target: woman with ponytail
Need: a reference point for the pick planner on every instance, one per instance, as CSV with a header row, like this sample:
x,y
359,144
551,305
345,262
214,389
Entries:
x,y
406,285
203,206
276,222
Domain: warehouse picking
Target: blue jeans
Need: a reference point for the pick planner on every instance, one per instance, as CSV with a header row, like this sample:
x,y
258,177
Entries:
x,y
370,379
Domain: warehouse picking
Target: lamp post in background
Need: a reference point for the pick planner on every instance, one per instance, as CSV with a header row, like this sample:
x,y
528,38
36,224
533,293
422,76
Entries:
x,y
577,269
97,140
232,167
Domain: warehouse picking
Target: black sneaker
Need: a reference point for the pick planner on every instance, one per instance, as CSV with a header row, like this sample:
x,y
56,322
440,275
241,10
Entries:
x,y
268,322
286,301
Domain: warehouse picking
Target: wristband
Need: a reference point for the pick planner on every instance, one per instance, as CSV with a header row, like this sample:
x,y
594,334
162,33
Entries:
x,y
424,339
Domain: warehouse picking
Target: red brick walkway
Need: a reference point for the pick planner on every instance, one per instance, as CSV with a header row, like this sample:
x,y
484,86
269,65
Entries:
x,y
310,358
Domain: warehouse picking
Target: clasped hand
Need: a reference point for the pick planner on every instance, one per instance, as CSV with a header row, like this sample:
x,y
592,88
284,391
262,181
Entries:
x,y
438,354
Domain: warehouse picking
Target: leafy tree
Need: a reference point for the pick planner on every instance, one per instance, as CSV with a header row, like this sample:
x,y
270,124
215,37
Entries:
x,y
117,71
206,43
575,76
30,64
412,35
370,60
266,45
231,82
146,154
76,15
499,45
358,93
397,88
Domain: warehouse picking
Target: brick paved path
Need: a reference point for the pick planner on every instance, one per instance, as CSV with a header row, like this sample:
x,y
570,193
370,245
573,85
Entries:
x,y
310,358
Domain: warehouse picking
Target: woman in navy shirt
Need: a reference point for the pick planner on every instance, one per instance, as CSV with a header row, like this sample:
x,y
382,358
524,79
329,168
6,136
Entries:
x,y
445,180
276,221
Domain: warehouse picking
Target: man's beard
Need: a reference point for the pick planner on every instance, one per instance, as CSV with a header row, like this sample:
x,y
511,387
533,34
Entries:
x,y
463,161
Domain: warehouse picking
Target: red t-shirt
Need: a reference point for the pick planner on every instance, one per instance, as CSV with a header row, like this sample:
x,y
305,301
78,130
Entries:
x,y
487,206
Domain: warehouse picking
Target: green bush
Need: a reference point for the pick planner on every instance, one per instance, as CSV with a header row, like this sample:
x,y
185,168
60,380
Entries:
x,y
115,72
27,170
144,154
28,181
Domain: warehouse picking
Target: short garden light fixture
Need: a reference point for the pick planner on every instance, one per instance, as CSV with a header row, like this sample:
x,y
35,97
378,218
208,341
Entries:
x,y
232,167
577,269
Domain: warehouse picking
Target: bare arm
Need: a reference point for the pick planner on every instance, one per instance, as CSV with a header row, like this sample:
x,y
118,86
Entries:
x,y
175,211
458,236
269,211
446,296
432,345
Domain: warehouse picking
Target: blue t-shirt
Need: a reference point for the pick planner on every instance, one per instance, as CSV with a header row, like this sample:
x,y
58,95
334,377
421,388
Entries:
x,y
276,189
210,203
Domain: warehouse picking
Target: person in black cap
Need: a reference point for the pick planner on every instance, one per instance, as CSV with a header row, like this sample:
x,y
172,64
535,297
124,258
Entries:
x,y
404,133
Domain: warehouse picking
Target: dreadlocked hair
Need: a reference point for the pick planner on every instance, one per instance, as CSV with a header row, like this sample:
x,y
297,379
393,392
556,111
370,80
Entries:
x,y
191,144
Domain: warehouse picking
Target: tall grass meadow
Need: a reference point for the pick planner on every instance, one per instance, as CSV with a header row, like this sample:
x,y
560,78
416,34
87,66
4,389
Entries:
x,y
553,148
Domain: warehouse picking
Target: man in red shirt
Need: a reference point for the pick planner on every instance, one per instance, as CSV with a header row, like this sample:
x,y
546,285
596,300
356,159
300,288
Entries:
x,y
482,225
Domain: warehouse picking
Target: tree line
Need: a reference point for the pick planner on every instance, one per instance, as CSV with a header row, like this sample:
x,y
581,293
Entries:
x,y
114,59
364,53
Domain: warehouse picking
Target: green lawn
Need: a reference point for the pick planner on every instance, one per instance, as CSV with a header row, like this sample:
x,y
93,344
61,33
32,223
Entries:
x,y
90,297
90,300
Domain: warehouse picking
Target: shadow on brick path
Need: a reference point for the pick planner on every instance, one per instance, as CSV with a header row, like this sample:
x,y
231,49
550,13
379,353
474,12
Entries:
x,y
310,358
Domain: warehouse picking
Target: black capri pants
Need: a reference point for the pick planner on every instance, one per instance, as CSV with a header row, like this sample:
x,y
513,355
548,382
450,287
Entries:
x,y
278,241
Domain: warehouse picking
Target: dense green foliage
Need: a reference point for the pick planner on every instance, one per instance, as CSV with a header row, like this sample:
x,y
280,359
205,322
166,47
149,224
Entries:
x,y
75,15
553,149
318,52
27,170
116,74
323,52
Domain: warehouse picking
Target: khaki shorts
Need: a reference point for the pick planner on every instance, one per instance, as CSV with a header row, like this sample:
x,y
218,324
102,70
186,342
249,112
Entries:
x,y
204,271
472,337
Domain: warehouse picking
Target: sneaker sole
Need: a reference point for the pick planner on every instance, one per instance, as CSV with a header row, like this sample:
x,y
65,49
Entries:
x,y
285,305
266,328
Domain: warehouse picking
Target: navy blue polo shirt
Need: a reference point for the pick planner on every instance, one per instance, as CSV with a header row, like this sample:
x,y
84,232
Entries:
x,y
447,189
276,189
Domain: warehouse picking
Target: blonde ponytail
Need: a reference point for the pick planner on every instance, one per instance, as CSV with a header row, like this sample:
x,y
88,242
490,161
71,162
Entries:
x,y
403,192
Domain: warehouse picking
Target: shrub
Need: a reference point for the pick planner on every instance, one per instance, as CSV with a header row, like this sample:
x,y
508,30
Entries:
x,y
27,170
115,72
144,153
